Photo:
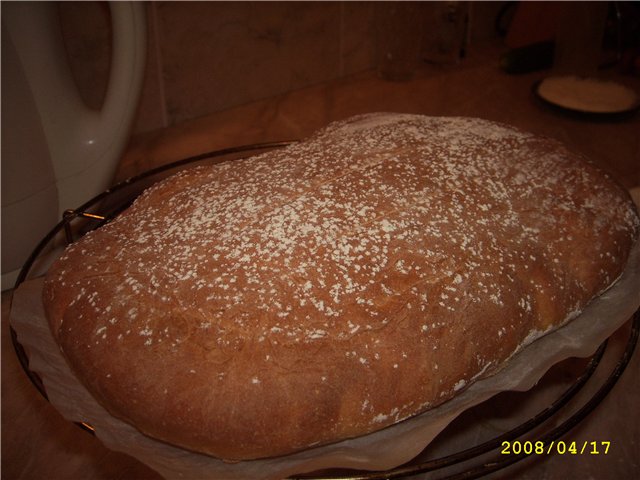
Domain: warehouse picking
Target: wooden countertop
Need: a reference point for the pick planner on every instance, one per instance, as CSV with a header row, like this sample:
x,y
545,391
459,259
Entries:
x,y
39,443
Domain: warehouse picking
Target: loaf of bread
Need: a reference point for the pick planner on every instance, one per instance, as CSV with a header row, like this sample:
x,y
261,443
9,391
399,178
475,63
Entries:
x,y
329,289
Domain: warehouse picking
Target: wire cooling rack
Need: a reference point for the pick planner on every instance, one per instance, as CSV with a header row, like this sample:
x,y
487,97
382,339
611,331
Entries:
x,y
474,461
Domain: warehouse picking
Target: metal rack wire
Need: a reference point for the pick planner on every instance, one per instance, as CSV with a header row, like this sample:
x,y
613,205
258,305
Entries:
x,y
472,461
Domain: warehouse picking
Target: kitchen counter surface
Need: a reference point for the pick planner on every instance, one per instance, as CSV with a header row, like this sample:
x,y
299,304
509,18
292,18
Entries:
x,y
38,443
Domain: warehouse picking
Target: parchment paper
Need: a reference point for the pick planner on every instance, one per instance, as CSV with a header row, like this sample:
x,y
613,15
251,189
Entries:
x,y
382,450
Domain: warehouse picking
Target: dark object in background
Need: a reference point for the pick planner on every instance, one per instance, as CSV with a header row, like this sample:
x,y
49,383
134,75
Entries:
x,y
531,30
530,58
622,33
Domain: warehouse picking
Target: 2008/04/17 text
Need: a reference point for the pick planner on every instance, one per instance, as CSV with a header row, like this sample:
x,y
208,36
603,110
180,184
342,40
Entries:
x,y
560,447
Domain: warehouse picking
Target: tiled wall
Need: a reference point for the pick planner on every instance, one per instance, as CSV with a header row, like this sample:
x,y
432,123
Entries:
x,y
217,55
205,57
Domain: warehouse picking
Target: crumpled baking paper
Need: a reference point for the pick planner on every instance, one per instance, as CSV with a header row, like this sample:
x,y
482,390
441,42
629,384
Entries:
x,y
381,450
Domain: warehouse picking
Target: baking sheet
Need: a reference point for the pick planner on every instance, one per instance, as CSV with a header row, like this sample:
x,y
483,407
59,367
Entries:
x,y
378,451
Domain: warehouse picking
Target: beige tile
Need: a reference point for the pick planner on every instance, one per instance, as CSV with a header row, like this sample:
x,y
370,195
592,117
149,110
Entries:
x,y
205,57
357,51
222,54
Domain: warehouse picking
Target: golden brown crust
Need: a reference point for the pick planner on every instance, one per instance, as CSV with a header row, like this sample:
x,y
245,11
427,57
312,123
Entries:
x,y
332,288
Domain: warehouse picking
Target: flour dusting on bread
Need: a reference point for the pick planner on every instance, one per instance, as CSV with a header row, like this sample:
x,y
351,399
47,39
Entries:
x,y
329,289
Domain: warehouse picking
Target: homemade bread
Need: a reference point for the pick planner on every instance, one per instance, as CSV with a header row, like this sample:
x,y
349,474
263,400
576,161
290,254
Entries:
x,y
334,287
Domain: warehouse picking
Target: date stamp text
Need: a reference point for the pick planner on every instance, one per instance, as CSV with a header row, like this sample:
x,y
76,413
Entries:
x,y
559,447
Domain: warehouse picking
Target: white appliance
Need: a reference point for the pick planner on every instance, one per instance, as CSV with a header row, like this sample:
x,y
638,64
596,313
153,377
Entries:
x,y
56,152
